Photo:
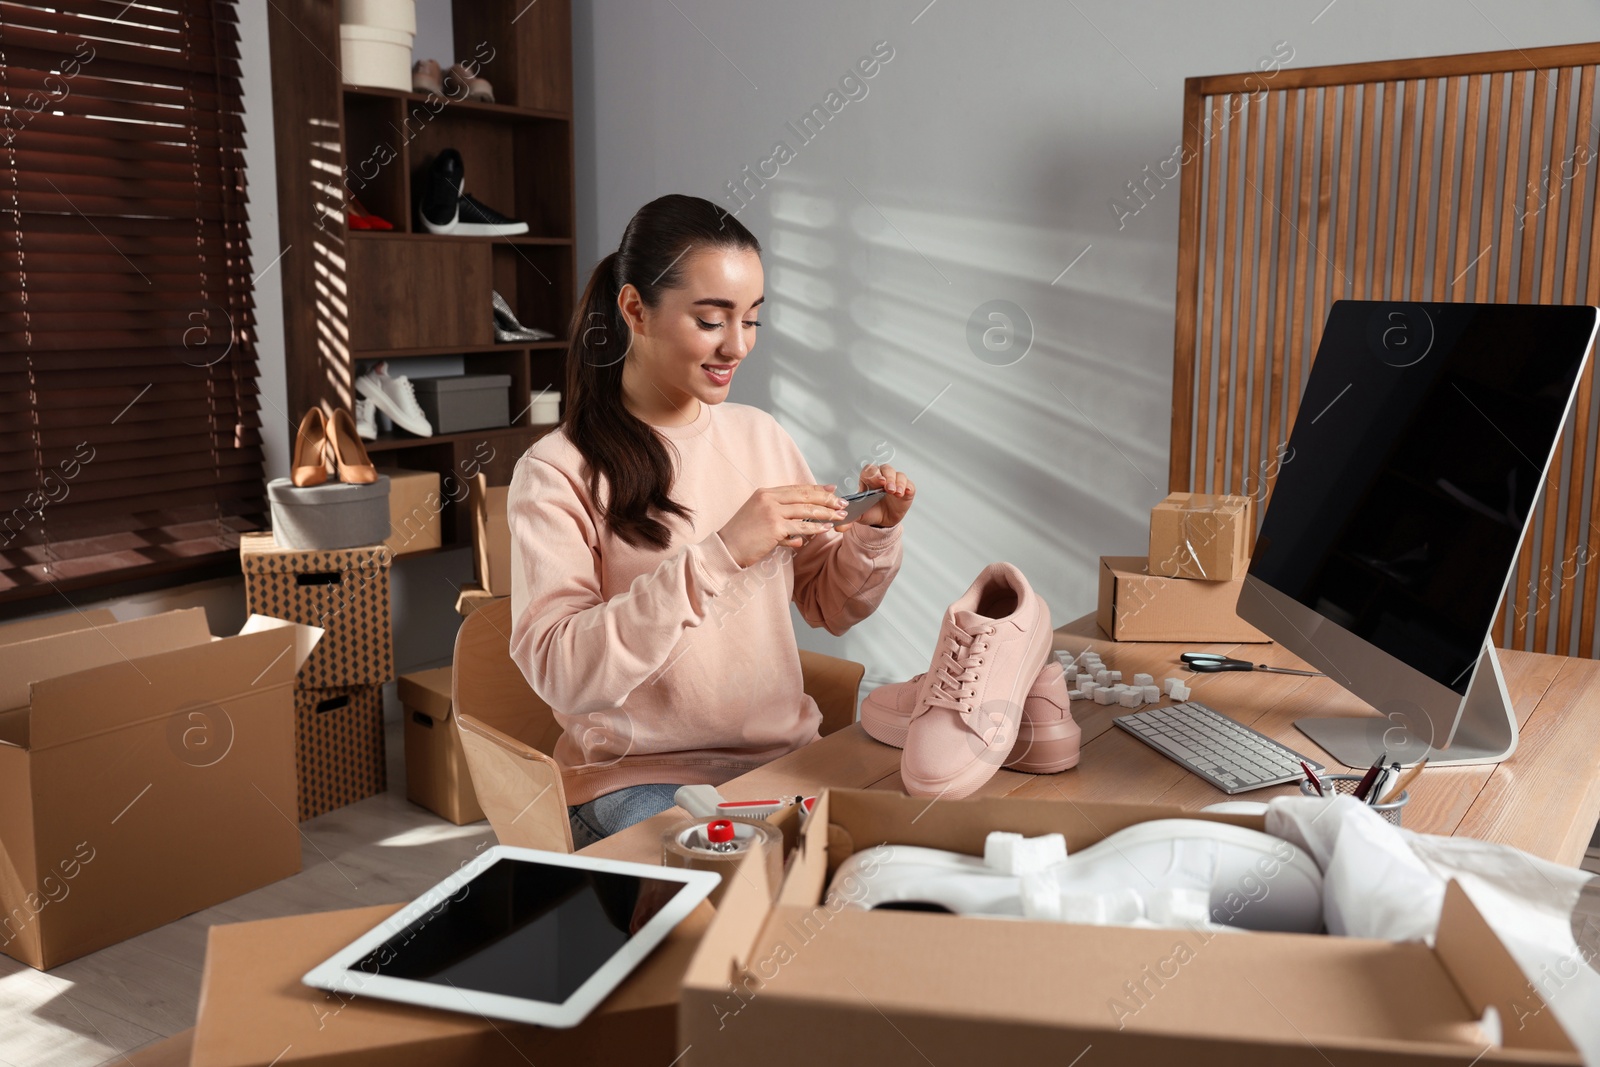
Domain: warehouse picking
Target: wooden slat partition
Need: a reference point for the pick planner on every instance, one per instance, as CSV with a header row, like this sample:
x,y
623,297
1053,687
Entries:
x,y
1466,177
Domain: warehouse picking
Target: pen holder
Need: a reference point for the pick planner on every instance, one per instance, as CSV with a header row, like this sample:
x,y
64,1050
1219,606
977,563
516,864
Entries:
x,y
1345,785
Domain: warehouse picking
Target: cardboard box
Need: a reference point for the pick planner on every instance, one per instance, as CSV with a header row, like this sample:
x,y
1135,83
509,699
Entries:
x,y
339,749
1138,606
436,767
491,535
470,598
344,591
254,1011
809,980
1202,535
415,508
45,625
146,772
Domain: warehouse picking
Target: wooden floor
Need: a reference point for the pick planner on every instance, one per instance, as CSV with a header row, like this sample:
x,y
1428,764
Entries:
x,y
99,1008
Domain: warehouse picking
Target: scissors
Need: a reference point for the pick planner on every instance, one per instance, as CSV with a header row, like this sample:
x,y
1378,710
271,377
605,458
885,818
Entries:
x,y
1213,662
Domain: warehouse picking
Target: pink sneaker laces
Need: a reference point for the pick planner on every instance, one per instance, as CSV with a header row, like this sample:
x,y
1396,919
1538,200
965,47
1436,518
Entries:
x,y
956,668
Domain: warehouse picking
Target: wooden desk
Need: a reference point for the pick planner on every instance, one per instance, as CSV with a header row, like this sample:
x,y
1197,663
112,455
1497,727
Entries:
x,y
1545,799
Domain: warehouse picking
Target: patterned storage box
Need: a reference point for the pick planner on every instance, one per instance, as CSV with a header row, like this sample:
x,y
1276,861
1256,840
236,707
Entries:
x,y
339,749
345,591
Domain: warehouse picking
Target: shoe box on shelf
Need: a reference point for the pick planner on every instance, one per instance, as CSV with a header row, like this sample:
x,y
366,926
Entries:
x,y
827,975
147,771
436,765
375,38
1187,587
460,402
338,692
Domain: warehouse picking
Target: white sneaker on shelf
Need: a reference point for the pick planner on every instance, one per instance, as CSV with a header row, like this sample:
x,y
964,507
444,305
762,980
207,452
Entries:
x,y
395,398
366,420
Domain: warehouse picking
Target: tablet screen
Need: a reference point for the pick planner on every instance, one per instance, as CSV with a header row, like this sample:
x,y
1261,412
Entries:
x,y
530,930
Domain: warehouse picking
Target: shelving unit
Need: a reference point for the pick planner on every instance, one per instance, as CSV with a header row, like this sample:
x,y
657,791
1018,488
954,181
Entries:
x,y
354,297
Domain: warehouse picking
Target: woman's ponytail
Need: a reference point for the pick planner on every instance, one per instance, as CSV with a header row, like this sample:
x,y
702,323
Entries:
x,y
620,448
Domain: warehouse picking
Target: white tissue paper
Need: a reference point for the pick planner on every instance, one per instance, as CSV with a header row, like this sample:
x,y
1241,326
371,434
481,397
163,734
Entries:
x,y
1381,881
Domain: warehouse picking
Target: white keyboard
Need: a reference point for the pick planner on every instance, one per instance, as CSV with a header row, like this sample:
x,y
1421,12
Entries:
x,y
1232,757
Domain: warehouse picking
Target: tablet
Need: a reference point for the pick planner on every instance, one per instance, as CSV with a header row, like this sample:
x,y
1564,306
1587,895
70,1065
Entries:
x,y
519,934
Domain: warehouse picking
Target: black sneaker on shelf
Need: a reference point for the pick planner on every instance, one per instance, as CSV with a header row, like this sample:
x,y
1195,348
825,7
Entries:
x,y
447,208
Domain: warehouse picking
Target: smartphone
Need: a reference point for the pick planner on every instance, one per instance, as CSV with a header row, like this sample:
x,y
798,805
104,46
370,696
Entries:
x,y
856,504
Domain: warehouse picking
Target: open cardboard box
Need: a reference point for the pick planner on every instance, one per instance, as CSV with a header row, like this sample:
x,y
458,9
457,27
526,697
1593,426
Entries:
x,y
1136,605
808,980
146,771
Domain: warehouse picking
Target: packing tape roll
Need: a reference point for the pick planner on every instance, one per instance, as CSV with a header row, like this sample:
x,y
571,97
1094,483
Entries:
x,y
684,846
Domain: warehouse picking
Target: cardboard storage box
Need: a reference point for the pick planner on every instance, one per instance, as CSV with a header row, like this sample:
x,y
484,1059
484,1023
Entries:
x,y
1202,535
1138,606
339,750
255,1012
808,980
470,598
491,535
436,767
146,772
414,511
343,591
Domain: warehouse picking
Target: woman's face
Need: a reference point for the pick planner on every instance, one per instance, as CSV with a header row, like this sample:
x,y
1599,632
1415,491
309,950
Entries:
x,y
692,343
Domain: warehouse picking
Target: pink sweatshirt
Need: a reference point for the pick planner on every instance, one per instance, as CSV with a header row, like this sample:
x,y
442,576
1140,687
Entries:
x,y
678,665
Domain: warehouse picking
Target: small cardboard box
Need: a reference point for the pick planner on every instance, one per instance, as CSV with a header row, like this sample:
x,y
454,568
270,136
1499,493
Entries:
x,y
491,535
339,750
146,772
415,508
436,766
1202,535
1138,606
344,591
470,598
808,979
255,1012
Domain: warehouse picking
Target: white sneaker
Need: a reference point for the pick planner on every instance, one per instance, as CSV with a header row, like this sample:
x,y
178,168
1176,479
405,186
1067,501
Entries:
x,y
1168,872
366,420
395,398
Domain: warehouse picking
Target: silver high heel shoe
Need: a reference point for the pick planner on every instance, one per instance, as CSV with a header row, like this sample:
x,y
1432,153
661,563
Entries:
x,y
507,329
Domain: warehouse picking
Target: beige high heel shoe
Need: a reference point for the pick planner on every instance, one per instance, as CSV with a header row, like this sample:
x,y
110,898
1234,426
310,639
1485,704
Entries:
x,y
350,457
310,466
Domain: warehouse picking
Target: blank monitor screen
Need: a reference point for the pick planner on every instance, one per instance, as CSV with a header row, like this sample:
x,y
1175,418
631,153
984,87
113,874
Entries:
x,y
1414,463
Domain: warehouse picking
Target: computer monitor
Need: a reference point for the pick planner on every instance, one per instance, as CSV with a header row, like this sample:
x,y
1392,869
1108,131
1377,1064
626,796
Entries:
x,y
1422,443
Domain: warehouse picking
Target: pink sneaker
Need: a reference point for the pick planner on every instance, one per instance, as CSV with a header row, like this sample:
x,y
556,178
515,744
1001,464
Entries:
x,y
968,708
1047,738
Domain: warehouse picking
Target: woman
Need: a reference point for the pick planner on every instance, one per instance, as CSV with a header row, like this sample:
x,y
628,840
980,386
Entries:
x,y
660,534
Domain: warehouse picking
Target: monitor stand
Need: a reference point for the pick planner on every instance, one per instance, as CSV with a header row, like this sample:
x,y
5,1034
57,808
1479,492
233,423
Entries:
x,y
1487,732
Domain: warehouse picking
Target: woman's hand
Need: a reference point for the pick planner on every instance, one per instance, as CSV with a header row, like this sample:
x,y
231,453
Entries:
x,y
898,494
780,515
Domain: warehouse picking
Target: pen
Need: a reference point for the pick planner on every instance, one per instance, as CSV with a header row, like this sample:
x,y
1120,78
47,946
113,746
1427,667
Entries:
x,y
1312,778
1370,777
1405,780
1385,776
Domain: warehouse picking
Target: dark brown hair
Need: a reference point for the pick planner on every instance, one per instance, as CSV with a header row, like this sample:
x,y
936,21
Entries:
x,y
613,441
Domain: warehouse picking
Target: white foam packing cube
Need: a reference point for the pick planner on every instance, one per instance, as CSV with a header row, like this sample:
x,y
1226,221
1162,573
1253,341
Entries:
x,y
1076,694
1132,698
1143,679
1152,693
1085,679
1116,676
1169,684
1104,696
1102,677
1180,692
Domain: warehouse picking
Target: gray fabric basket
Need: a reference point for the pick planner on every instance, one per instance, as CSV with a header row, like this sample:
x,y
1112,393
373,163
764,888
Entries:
x,y
462,402
331,515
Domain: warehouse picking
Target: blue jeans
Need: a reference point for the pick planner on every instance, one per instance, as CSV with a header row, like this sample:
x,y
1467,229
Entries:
x,y
604,816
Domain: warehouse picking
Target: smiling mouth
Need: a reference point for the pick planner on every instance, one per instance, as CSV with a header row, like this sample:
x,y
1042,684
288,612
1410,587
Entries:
x,y
720,375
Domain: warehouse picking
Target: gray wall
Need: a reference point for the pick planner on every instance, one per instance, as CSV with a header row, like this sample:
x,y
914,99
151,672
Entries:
x,y
979,163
